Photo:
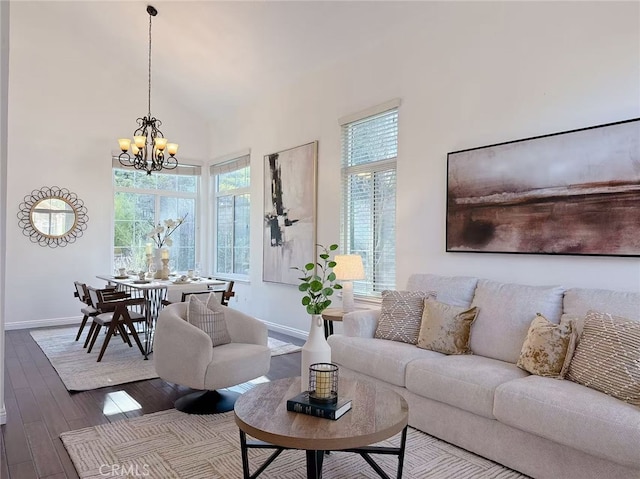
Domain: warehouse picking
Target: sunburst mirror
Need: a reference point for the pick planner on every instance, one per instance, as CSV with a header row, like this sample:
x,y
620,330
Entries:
x,y
52,216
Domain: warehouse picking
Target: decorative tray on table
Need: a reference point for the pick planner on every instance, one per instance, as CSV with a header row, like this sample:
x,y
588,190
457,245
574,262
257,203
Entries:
x,y
142,281
121,277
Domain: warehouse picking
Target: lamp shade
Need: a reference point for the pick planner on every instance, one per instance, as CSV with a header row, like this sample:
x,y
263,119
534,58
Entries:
x,y
348,267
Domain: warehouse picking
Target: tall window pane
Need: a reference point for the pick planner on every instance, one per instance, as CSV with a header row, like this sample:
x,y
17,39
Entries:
x,y
369,153
232,216
142,201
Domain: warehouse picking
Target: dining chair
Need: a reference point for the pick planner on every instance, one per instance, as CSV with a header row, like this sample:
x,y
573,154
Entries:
x,y
114,314
227,293
88,311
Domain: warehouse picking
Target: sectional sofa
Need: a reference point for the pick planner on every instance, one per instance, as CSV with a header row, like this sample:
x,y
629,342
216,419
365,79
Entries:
x,y
541,426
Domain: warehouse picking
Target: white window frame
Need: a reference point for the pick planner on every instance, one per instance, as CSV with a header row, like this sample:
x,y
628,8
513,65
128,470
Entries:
x,y
227,164
368,288
187,170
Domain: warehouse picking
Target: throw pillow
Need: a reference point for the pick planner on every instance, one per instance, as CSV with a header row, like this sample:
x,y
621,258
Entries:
x,y
401,315
446,328
548,348
607,357
210,321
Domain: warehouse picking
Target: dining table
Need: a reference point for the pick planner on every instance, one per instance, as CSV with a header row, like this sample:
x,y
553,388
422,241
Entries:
x,y
155,291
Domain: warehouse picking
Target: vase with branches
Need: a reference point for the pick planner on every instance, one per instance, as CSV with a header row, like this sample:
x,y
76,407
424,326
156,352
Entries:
x,y
318,283
161,234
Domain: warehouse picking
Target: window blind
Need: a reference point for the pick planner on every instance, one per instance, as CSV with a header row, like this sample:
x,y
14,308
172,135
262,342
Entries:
x,y
369,155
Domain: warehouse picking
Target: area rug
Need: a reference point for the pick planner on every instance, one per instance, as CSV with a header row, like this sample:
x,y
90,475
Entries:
x,y
79,370
120,364
171,444
280,347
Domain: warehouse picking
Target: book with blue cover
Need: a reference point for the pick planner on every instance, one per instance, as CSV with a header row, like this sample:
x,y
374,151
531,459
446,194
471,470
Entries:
x,y
302,404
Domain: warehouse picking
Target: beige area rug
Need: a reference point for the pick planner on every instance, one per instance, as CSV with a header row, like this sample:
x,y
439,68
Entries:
x,y
171,444
120,364
80,371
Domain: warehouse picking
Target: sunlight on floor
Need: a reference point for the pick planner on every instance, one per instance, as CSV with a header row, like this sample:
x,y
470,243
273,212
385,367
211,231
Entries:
x,y
244,387
119,402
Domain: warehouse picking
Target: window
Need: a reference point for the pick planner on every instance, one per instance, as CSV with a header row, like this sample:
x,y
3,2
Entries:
x,y
232,216
369,153
142,201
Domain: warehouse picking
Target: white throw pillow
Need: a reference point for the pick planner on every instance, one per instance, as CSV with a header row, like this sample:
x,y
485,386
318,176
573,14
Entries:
x,y
208,318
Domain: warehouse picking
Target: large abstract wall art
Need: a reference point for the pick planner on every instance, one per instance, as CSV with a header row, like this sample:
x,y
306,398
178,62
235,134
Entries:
x,y
571,193
290,212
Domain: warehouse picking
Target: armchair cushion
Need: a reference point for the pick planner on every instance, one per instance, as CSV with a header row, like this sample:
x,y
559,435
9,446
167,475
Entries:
x,y
206,318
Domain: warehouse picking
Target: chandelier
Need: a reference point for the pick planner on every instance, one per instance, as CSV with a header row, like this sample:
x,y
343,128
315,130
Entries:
x,y
149,144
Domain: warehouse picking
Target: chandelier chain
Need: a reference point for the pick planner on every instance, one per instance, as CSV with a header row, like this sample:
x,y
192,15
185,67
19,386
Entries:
x,y
150,18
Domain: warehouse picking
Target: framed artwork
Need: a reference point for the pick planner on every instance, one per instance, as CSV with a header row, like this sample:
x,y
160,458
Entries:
x,y
289,212
570,193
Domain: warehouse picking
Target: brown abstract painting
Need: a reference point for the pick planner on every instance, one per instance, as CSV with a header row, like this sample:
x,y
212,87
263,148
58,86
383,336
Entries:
x,y
573,193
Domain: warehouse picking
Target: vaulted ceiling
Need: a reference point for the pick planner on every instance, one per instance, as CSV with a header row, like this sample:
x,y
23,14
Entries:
x,y
216,55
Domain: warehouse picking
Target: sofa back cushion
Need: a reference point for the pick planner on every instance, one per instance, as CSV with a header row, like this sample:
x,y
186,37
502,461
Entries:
x,y
453,290
579,301
505,312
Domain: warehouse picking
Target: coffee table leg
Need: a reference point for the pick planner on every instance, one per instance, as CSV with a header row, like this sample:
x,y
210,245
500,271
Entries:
x,y
403,442
314,464
245,456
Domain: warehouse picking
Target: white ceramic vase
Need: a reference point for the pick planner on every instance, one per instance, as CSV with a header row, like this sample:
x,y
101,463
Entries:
x,y
315,350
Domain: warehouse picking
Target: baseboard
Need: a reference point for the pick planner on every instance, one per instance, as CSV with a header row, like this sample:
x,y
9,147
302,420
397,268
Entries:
x,y
296,333
43,323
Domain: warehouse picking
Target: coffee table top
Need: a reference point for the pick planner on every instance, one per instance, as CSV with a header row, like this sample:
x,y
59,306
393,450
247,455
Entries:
x,y
377,413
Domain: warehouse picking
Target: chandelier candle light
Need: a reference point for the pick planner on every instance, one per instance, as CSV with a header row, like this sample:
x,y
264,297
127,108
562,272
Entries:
x,y
348,268
149,144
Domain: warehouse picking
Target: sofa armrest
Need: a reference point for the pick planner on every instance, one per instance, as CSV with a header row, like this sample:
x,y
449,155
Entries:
x,y
244,328
181,351
361,323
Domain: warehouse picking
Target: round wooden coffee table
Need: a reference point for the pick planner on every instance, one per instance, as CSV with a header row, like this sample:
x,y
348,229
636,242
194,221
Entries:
x,y
377,413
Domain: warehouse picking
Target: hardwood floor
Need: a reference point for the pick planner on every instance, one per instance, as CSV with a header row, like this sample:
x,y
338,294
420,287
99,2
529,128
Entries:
x,y
39,407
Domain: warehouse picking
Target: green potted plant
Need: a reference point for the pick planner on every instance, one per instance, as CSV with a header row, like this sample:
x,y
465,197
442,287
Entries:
x,y
318,282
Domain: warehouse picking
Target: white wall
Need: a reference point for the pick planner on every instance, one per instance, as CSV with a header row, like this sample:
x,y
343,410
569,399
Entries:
x,y
4,95
471,74
68,103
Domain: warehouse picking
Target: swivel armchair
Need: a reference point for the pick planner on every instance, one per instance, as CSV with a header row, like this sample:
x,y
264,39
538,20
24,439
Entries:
x,y
185,355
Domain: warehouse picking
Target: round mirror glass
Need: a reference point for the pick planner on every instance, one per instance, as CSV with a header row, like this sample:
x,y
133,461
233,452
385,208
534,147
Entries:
x,y
53,217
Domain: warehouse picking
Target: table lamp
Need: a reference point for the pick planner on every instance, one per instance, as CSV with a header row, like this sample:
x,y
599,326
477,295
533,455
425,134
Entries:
x,y
348,268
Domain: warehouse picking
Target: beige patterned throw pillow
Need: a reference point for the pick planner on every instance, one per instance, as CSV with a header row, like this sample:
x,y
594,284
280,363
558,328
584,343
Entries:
x,y
211,322
548,348
607,357
445,328
401,315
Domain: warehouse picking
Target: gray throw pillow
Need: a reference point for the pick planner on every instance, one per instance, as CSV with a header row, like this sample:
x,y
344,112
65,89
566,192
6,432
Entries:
x,y
401,315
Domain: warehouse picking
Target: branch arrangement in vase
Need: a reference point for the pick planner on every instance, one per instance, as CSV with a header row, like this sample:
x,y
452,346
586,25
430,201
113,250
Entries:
x,y
161,234
318,281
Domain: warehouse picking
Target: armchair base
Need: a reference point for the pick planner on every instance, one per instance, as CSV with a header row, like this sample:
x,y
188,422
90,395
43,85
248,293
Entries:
x,y
207,402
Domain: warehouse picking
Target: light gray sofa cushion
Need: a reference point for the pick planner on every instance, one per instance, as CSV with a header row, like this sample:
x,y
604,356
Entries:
x,y
453,290
573,415
380,358
466,382
578,301
505,313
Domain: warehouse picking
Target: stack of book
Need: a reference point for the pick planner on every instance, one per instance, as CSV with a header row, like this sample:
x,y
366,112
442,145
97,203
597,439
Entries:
x,y
301,403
